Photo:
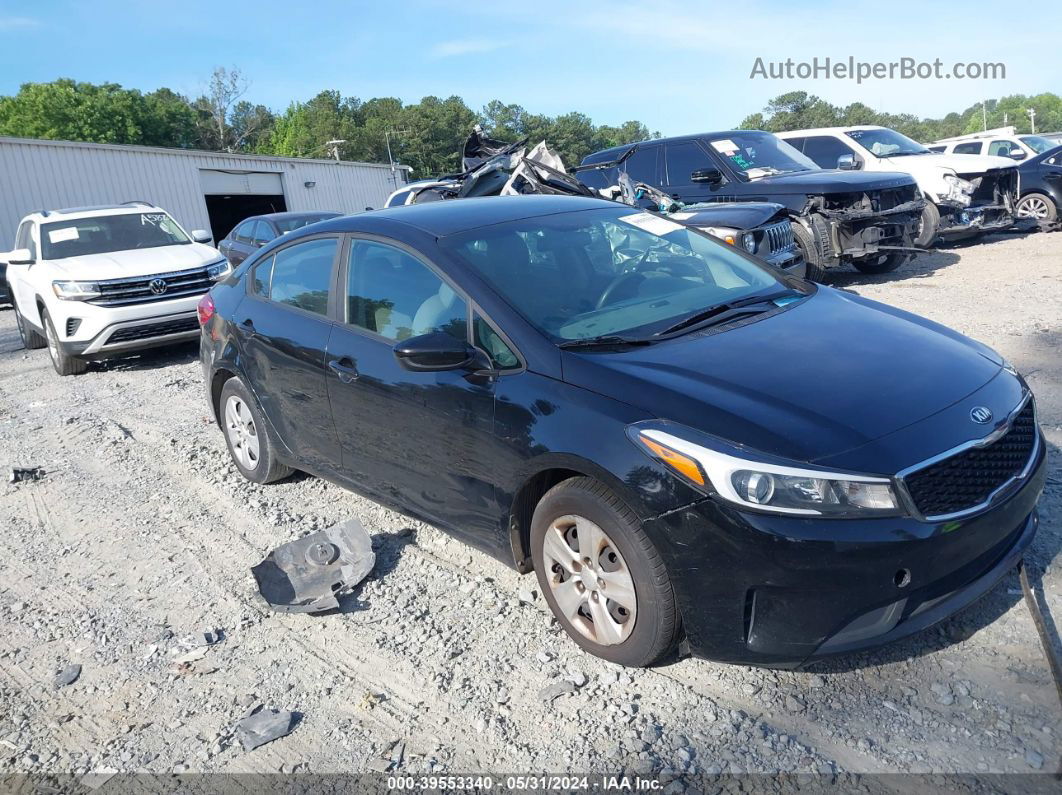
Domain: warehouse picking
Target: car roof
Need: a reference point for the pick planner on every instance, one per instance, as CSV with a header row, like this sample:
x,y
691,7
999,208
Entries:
x,y
824,130
74,213
450,216
295,214
616,151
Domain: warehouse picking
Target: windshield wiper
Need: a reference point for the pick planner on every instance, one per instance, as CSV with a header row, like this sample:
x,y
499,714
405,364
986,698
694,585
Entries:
x,y
721,313
604,341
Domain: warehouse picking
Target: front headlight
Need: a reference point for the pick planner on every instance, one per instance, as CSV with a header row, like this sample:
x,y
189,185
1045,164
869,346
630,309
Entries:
x,y
724,233
219,270
75,291
764,486
748,242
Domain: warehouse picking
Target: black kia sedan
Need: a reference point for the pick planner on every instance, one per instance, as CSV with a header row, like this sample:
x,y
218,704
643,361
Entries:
x,y
689,448
1041,186
252,233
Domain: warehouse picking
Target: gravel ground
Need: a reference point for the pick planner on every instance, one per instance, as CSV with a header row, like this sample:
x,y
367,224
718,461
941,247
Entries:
x,y
143,533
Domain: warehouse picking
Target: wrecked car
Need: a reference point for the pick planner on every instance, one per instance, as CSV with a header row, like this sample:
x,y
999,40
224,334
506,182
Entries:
x,y
672,435
965,195
838,217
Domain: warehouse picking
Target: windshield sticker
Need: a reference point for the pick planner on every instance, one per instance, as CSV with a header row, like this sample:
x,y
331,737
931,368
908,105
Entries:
x,y
152,218
653,224
755,173
681,216
726,146
62,235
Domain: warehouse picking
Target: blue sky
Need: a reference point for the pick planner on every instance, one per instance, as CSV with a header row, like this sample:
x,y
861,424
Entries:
x,y
677,66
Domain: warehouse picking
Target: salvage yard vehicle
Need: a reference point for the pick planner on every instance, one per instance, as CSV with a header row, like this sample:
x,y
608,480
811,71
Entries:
x,y
837,217
1003,142
95,282
252,233
964,195
1041,186
690,449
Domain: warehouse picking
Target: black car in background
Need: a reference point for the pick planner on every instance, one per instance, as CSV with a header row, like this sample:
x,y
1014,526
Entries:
x,y
252,233
838,217
1041,186
680,441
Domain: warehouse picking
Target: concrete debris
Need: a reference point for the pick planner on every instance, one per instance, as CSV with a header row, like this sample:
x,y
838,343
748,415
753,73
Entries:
x,y
526,596
67,675
190,657
556,690
261,725
306,575
21,474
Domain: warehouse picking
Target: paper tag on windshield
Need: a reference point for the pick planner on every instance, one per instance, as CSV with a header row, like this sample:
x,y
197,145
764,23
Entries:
x,y
726,146
61,235
653,224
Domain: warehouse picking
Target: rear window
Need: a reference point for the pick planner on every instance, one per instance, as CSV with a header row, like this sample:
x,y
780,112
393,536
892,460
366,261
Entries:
x,y
285,225
106,233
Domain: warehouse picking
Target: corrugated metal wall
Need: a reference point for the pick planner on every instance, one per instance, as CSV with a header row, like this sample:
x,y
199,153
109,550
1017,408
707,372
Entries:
x,y
46,175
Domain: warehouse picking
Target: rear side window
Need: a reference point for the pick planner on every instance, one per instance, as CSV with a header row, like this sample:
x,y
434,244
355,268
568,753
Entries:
x,y
299,275
824,150
395,295
683,159
973,148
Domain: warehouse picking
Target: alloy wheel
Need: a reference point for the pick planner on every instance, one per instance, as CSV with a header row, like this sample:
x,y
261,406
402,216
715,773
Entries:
x,y
242,433
1033,207
590,580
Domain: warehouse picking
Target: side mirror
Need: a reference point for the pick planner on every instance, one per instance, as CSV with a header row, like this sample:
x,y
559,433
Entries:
x,y
1017,154
438,351
20,256
847,163
713,176
201,236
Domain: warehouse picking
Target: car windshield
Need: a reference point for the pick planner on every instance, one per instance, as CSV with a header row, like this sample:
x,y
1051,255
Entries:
x,y
759,154
595,273
285,225
106,233
887,143
1037,144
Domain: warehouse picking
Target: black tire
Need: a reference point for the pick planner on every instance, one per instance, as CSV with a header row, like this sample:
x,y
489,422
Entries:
x,y
263,466
928,225
657,627
883,264
816,271
31,340
64,363
1042,202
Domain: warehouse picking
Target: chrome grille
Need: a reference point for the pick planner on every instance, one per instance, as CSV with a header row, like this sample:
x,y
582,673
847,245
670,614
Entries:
x,y
779,237
138,289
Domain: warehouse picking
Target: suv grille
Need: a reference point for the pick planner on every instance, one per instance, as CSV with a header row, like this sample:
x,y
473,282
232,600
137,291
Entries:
x,y
967,479
779,237
149,330
138,290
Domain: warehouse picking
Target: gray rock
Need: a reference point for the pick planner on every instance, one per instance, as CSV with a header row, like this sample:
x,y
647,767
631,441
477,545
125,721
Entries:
x,y
556,690
68,675
794,704
1034,759
526,596
262,725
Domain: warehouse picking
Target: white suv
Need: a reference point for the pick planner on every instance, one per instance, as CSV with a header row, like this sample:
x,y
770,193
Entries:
x,y
965,195
93,282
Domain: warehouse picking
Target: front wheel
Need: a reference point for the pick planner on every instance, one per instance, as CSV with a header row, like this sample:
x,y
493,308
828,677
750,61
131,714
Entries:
x,y
252,450
881,264
928,224
64,363
601,575
31,340
816,271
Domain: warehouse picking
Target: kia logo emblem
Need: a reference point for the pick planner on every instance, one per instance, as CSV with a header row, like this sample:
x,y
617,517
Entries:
x,y
982,415
158,287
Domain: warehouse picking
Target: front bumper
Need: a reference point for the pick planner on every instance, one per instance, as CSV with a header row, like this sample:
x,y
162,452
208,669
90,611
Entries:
x,y
777,591
118,339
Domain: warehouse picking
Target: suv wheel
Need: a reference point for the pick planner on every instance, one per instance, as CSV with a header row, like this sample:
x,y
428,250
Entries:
x,y
246,434
928,224
815,269
30,338
64,363
601,576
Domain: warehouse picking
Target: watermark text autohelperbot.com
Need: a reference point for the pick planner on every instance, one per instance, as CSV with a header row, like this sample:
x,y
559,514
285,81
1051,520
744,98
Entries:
x,y
851,69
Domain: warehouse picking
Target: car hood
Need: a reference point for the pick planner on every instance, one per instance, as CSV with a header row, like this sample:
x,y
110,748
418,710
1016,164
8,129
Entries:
x,y
136,262
826,375
825,180
739,215
960,164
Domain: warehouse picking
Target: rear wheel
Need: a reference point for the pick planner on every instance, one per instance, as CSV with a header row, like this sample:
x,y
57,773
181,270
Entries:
x,y
247,436
928,225
30,338
816,271
881,264
64,363
1038,206
601,576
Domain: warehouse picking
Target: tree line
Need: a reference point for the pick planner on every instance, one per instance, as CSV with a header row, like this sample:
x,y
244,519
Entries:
x,y
425,135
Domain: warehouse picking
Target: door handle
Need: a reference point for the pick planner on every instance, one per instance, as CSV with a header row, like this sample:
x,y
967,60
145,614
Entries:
x,y
344,369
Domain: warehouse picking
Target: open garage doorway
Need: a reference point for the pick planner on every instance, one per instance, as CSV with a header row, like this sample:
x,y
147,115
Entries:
x,y
232,196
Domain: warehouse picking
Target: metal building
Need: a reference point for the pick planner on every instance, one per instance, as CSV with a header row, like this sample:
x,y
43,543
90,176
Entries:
x,y
202,190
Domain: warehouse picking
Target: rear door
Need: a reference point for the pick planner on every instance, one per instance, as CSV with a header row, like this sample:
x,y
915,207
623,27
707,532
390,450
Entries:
x,y
420,440
283,327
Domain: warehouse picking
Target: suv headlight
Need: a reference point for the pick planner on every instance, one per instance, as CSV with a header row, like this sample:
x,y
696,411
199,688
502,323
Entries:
x,y
761,485
219,270
748,242
724,233
75,291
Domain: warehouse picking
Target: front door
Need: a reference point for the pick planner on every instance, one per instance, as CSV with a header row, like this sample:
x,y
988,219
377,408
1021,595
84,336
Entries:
x,y
682,159
283,327
419,440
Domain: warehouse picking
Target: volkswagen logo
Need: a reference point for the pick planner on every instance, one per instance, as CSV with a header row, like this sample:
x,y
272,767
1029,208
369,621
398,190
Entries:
x,y
158,287
982,415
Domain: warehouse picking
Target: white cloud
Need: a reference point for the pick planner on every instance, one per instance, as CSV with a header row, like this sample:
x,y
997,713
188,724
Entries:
x,y
14,23
448,49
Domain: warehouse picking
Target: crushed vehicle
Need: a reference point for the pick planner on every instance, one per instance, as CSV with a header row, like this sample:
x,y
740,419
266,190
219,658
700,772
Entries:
x,y
837,217
966,195
496,168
